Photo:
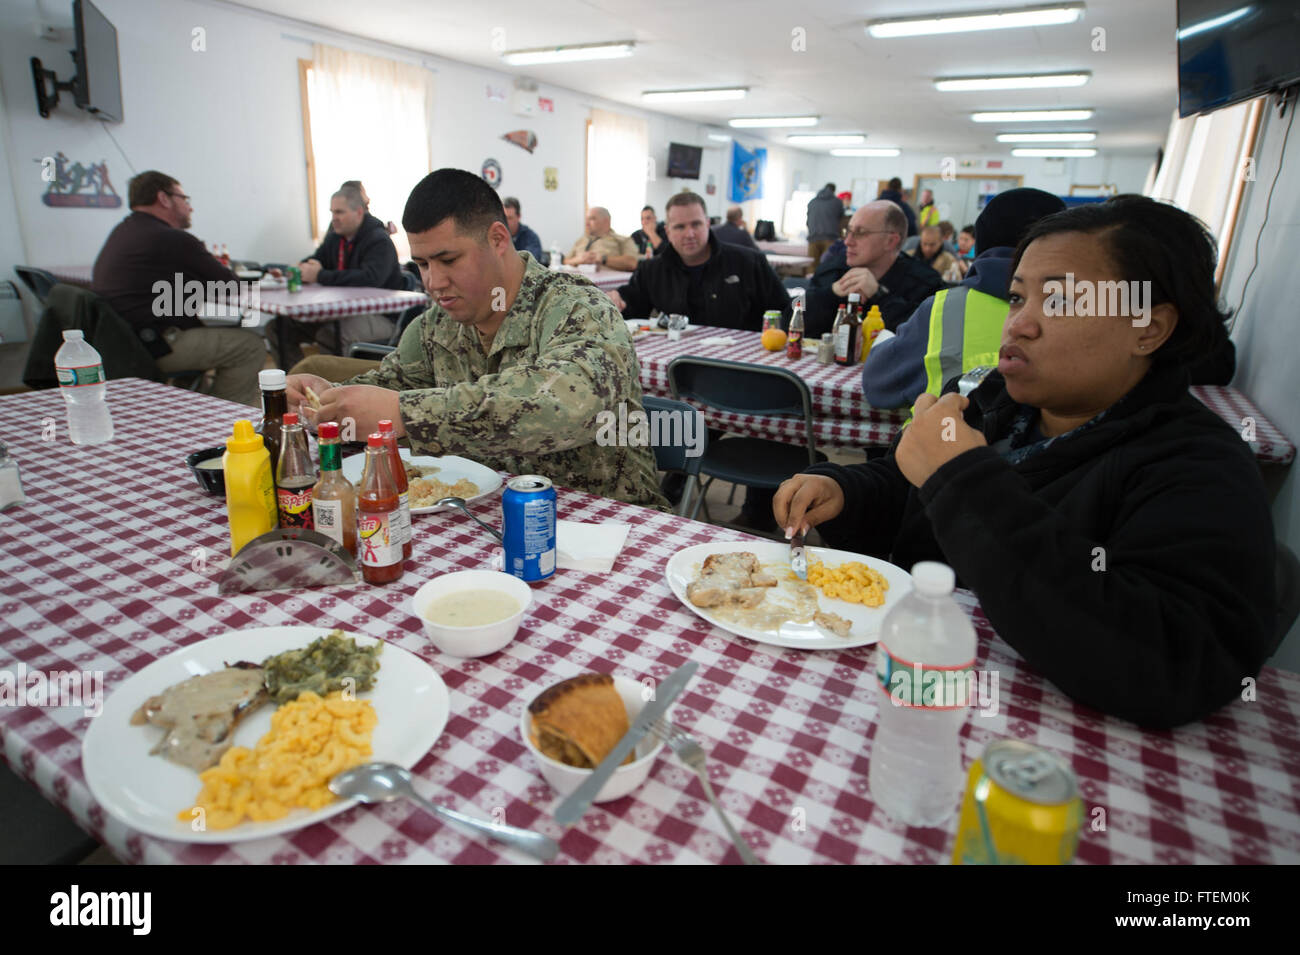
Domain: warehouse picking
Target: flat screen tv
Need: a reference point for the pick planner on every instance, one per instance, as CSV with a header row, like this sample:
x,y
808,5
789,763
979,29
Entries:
x,y
1232,50
99,86
684,161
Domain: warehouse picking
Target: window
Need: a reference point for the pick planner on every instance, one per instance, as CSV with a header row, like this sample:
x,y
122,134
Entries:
x,y
367,118
618,149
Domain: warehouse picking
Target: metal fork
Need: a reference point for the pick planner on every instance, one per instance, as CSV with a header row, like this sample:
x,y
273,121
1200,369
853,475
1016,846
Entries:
x,y
971,379
690,752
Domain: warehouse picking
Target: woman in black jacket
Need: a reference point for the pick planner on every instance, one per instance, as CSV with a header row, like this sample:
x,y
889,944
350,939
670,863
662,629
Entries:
x,y
1116,531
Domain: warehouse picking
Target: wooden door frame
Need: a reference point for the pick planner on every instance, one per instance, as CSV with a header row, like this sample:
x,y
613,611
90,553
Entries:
x,y
304,66
916,180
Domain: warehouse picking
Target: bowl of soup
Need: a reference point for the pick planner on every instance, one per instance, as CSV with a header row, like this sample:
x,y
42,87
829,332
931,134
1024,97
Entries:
x,y
209,470
472,613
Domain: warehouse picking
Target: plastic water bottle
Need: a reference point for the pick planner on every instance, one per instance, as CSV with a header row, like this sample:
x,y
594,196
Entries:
x,y
81,379
555,256
924,659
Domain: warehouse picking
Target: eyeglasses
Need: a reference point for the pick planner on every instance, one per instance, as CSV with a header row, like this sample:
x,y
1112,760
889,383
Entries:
x,y
863,233
179,195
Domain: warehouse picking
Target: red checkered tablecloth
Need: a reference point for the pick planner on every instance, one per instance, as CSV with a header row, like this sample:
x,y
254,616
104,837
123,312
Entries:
x,y
325,303
783,248
603,278
840,416
97,573
1270,445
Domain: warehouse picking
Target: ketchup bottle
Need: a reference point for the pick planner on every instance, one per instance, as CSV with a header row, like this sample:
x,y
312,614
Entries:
x,y
378,511
405,531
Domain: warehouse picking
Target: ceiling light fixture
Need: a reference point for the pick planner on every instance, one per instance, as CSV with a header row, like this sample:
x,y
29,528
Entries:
x,y
1046,137
1055,153
694,96
569,54
868,151
772,122
1034,81
1055,15
826,139
1033,116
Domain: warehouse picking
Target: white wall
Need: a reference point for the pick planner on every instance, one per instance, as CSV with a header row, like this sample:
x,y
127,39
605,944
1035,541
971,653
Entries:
x,y
1268,345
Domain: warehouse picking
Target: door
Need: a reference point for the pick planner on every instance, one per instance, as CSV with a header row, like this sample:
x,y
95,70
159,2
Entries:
x,y
960,200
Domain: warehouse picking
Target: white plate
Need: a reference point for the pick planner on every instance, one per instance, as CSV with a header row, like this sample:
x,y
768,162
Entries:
x,y
450,470
684,566
146,792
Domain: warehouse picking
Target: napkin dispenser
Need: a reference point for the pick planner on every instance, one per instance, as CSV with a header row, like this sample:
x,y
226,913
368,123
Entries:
x,y
287,558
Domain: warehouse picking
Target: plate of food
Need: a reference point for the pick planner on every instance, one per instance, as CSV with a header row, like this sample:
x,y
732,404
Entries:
x,y
748,589
235,737
432,479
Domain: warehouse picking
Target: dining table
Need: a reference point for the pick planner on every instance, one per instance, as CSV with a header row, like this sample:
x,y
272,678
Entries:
x,y
603,278
324,303
781,247
99,572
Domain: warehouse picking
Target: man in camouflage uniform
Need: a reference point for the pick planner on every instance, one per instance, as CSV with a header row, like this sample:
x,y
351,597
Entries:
x,y
512,364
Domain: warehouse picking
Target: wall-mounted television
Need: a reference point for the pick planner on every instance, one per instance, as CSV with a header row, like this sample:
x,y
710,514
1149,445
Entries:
x,y
684,161
97,85
1230,50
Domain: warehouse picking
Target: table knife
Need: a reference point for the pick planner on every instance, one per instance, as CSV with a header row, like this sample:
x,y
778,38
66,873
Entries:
x,y
579,801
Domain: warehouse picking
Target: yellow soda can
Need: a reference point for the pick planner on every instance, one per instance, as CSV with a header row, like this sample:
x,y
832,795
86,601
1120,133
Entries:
x,y
1022,807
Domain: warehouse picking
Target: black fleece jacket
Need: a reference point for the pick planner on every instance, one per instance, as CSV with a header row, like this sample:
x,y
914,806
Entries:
x,y
371,262
731,290
1172,496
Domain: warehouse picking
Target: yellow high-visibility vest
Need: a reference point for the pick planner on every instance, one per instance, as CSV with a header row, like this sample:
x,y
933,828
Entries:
x,y
965,332
929,216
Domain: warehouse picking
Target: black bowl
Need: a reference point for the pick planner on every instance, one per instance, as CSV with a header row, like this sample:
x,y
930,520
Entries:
x,y
212,480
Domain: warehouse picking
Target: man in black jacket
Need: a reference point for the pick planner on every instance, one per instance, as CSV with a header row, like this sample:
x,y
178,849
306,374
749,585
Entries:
x,y
714,284
356,251
872,267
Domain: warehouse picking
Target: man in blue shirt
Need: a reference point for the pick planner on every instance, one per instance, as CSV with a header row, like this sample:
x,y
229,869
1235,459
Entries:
x,y
525,239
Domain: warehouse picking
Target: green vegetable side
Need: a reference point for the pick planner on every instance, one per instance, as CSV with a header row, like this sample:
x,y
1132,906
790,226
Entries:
x,y
330,663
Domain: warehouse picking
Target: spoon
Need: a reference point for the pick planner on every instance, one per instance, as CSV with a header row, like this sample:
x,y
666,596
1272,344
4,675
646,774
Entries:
x,y
384,782
460,503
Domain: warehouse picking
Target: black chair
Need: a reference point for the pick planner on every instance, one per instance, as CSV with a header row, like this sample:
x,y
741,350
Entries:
x,y
33,831
764,230
1287,570
742,388
677,455
38,280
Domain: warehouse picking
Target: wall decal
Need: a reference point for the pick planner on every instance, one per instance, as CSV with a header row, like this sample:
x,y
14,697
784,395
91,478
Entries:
x,y
551,178
546,104
77,185
523,138
747,167
491,173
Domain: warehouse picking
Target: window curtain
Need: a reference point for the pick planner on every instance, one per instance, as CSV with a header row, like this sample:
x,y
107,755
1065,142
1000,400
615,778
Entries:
x,y
618,151
370,120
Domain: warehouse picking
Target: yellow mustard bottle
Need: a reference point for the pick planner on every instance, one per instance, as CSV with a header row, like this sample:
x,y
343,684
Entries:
x,y
872,326
250,490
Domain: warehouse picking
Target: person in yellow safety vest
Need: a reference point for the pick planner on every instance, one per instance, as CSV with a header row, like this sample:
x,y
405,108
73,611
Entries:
x,y
960,328
929,211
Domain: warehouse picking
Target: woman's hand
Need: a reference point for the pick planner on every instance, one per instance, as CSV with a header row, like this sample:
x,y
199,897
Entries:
x,y
805,501
936,435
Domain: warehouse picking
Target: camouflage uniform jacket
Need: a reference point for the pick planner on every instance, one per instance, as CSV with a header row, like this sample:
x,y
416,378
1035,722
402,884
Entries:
x,y
529,406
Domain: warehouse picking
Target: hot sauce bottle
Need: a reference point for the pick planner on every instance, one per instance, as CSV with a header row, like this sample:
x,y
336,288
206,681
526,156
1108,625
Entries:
x,y
403,493
334,500
378,510
295,475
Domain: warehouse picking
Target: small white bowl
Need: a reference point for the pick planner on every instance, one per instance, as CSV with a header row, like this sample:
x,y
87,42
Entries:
x,y
564,779
472,641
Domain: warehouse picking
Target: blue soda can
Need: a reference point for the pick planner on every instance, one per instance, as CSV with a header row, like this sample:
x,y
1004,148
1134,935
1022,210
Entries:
x,y
528,513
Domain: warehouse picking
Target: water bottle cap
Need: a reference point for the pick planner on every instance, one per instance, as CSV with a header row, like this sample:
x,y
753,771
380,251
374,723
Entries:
x,y
74,335
854,297
933,578
271,379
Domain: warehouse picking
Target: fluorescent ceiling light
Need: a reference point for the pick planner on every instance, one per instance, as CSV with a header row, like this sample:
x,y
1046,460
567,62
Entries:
x,y
1040,81
1046,137
720,137
867,151
569,54
1054,152
968,22
772,122
693,96
1214,23
826,139
1033,116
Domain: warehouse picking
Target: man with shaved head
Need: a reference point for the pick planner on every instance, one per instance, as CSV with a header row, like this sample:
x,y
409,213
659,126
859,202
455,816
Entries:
x,y
601,245
872,267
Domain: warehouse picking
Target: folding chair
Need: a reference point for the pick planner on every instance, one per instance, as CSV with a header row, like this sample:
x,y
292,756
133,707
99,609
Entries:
x,y
38,280
677,457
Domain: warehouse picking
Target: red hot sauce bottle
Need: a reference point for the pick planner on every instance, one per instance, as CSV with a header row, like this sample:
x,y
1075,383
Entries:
x,y
378,511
